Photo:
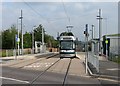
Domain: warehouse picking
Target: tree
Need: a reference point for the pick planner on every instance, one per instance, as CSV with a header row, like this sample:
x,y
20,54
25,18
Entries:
x,y
70,34
38,33
49,40
0,39
27,40
55,43
66,34
8,38
9,41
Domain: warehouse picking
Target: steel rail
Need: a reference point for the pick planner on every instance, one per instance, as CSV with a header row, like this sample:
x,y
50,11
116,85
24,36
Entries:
x,y
46,57
65,78
43,72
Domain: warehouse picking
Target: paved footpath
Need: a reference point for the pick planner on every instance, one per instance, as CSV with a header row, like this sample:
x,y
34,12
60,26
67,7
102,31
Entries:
x,y
108,70
24,56
21,58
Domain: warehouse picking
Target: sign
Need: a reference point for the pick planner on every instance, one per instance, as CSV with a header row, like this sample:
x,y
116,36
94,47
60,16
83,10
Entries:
x,y
106,41
17,39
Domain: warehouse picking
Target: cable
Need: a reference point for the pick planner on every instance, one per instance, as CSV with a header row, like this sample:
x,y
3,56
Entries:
x,y
35,11
38,13
66,12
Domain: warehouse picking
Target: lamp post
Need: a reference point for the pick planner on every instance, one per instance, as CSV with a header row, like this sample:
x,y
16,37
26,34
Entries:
x,y
100,22
42,36
18,35
86,47
21,31
106,41
43,43
33,40
92,31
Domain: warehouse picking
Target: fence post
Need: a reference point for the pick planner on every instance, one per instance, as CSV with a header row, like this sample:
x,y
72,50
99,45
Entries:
x,y
15,53
6,53
31,51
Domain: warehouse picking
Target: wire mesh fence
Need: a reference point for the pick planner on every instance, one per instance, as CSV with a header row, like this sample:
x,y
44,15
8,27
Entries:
x,y
114,54
13,52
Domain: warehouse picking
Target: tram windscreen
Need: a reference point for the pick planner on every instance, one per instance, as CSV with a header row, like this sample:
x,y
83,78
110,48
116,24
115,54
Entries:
x,y
66,45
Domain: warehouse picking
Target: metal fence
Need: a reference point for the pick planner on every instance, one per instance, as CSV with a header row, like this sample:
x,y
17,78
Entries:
x,y
14,52
94,60
114,49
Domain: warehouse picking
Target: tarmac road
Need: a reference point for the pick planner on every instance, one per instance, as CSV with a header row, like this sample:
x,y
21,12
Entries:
x,y
21,76
76,75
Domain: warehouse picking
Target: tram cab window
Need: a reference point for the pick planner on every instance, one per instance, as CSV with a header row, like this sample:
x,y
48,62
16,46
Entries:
x,y
66,45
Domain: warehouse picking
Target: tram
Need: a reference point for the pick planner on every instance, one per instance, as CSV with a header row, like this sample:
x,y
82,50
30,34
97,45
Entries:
x,y
67,46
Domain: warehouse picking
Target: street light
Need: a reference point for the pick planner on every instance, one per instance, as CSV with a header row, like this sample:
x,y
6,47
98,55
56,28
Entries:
x,y
43,44
33,39
18,35
106,20
86,47
106,41
92,30
21,17
100,25
42,36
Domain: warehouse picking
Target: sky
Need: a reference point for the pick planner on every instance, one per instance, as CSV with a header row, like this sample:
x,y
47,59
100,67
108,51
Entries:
x,y
55,16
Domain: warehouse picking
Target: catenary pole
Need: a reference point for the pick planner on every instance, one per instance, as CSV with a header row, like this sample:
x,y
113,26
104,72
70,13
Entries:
x,y
86,48
21,17
100,30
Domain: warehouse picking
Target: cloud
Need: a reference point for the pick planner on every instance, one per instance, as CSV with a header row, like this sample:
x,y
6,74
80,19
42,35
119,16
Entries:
x,y
0,15
60,0
79,6
54,18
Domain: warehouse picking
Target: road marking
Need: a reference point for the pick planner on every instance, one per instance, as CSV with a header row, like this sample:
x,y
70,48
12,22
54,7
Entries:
x,y
112,69
109,80
37,65
14,79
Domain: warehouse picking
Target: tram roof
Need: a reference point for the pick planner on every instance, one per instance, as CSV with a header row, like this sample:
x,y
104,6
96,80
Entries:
x,y
67,38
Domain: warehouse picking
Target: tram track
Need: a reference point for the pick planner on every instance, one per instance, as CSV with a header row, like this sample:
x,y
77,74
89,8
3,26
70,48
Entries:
x,y
48,75
38,76
63,83
19,61
23,63
66,74
39,60
21,67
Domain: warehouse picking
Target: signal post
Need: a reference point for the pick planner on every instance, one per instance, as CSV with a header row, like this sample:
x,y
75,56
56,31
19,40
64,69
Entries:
x,y
86,48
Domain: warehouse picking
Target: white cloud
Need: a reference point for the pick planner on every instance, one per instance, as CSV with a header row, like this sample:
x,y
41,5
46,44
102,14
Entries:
x,y
79,6
80,14
0,15
60,0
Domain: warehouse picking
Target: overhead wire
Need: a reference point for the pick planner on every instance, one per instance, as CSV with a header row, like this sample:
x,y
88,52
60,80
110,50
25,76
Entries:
x,y
66,11
35,11
39,14
49,19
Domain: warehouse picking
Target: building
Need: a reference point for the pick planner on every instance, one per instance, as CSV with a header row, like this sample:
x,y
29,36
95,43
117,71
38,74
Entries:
x,y
111,45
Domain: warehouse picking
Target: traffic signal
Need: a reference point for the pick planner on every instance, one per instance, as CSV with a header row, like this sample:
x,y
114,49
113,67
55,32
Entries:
x,y
86,31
